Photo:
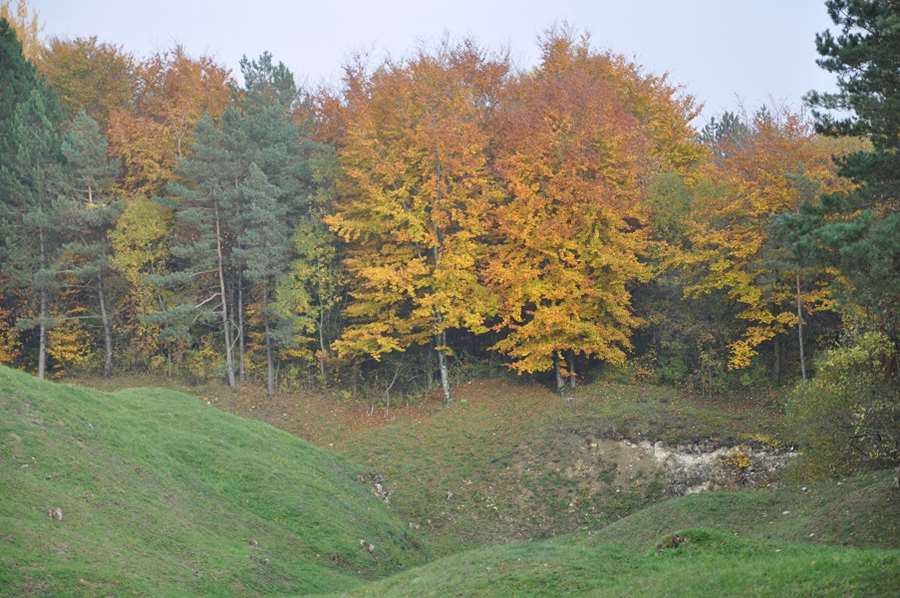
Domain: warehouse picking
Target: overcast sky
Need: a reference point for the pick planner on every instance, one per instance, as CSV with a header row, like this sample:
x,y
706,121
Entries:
x,y
724,52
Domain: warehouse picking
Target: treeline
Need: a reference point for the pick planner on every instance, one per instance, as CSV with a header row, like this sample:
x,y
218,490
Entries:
x,y
438,210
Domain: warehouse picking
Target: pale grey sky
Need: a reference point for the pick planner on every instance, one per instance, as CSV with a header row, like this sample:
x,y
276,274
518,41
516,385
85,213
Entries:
x,y
721,51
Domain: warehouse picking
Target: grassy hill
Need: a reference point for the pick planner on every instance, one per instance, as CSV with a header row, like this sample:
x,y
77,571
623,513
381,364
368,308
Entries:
x,y
165,494
755,542
162,494
708,563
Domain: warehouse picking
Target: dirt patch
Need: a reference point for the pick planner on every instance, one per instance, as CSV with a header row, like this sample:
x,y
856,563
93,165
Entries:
x,y
593,464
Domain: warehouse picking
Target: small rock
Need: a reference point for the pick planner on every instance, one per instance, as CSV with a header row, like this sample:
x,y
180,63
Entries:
x,y
253,542
785,512
55,513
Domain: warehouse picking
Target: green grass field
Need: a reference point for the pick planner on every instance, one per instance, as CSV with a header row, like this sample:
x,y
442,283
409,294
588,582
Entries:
x,y
165,494
162,494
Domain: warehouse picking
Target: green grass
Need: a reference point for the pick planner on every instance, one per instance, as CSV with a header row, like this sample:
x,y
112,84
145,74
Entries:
x,y
863,511
710,563
501,455
164,495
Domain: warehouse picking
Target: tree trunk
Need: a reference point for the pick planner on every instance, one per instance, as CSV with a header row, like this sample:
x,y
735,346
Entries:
x,y
42,343
776,345
229,360
240,314
107,329
572,376
560,383
429,369
42,324
800,329
270,365
441,338
440,344
323,352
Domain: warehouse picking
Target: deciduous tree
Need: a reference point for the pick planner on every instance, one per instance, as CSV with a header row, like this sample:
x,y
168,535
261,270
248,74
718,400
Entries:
x,y
414,201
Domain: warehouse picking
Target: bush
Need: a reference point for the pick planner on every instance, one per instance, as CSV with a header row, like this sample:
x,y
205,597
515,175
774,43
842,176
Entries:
x,y
848,417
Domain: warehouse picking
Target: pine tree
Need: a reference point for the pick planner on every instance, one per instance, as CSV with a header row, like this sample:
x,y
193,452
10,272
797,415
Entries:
x,y
205,211
85,214
265,252
31,178
219,222
858,232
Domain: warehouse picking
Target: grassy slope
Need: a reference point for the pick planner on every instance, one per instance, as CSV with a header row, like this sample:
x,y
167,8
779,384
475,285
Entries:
x,y
498,455
761,545
502,455
862,511
163,494
711,563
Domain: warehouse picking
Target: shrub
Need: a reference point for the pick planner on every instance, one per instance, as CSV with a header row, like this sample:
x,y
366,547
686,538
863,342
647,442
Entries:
x,y
848,416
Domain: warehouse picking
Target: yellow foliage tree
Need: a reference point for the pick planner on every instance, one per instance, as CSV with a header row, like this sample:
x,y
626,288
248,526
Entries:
x,y
768,167
140,248
414,199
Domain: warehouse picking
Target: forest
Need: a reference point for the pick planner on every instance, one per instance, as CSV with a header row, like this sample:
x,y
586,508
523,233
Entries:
x,y
448,214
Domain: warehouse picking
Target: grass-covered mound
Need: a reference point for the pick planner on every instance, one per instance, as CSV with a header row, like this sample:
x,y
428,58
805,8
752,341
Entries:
x,y
162,494
862,511
789,541
704,563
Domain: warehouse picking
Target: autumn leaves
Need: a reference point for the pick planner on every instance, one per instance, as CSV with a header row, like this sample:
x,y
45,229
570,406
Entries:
x,y
433,205
478,199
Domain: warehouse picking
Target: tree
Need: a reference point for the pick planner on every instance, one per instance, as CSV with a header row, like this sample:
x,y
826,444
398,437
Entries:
x,y
577,137
86,213
150,134
760,169
89,75
310,292
140,242
31,178
253,160
265,252
205,210
413,202
173,91
25,22
857,231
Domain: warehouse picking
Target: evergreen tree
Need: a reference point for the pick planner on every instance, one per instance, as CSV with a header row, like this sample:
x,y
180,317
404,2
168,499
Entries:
x,y
205,213
31,177
265,254
86,213
859,232
217,207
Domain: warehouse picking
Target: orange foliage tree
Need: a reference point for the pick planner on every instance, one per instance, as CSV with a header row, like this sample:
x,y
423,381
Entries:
x,y
89,75
172,92
577,139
